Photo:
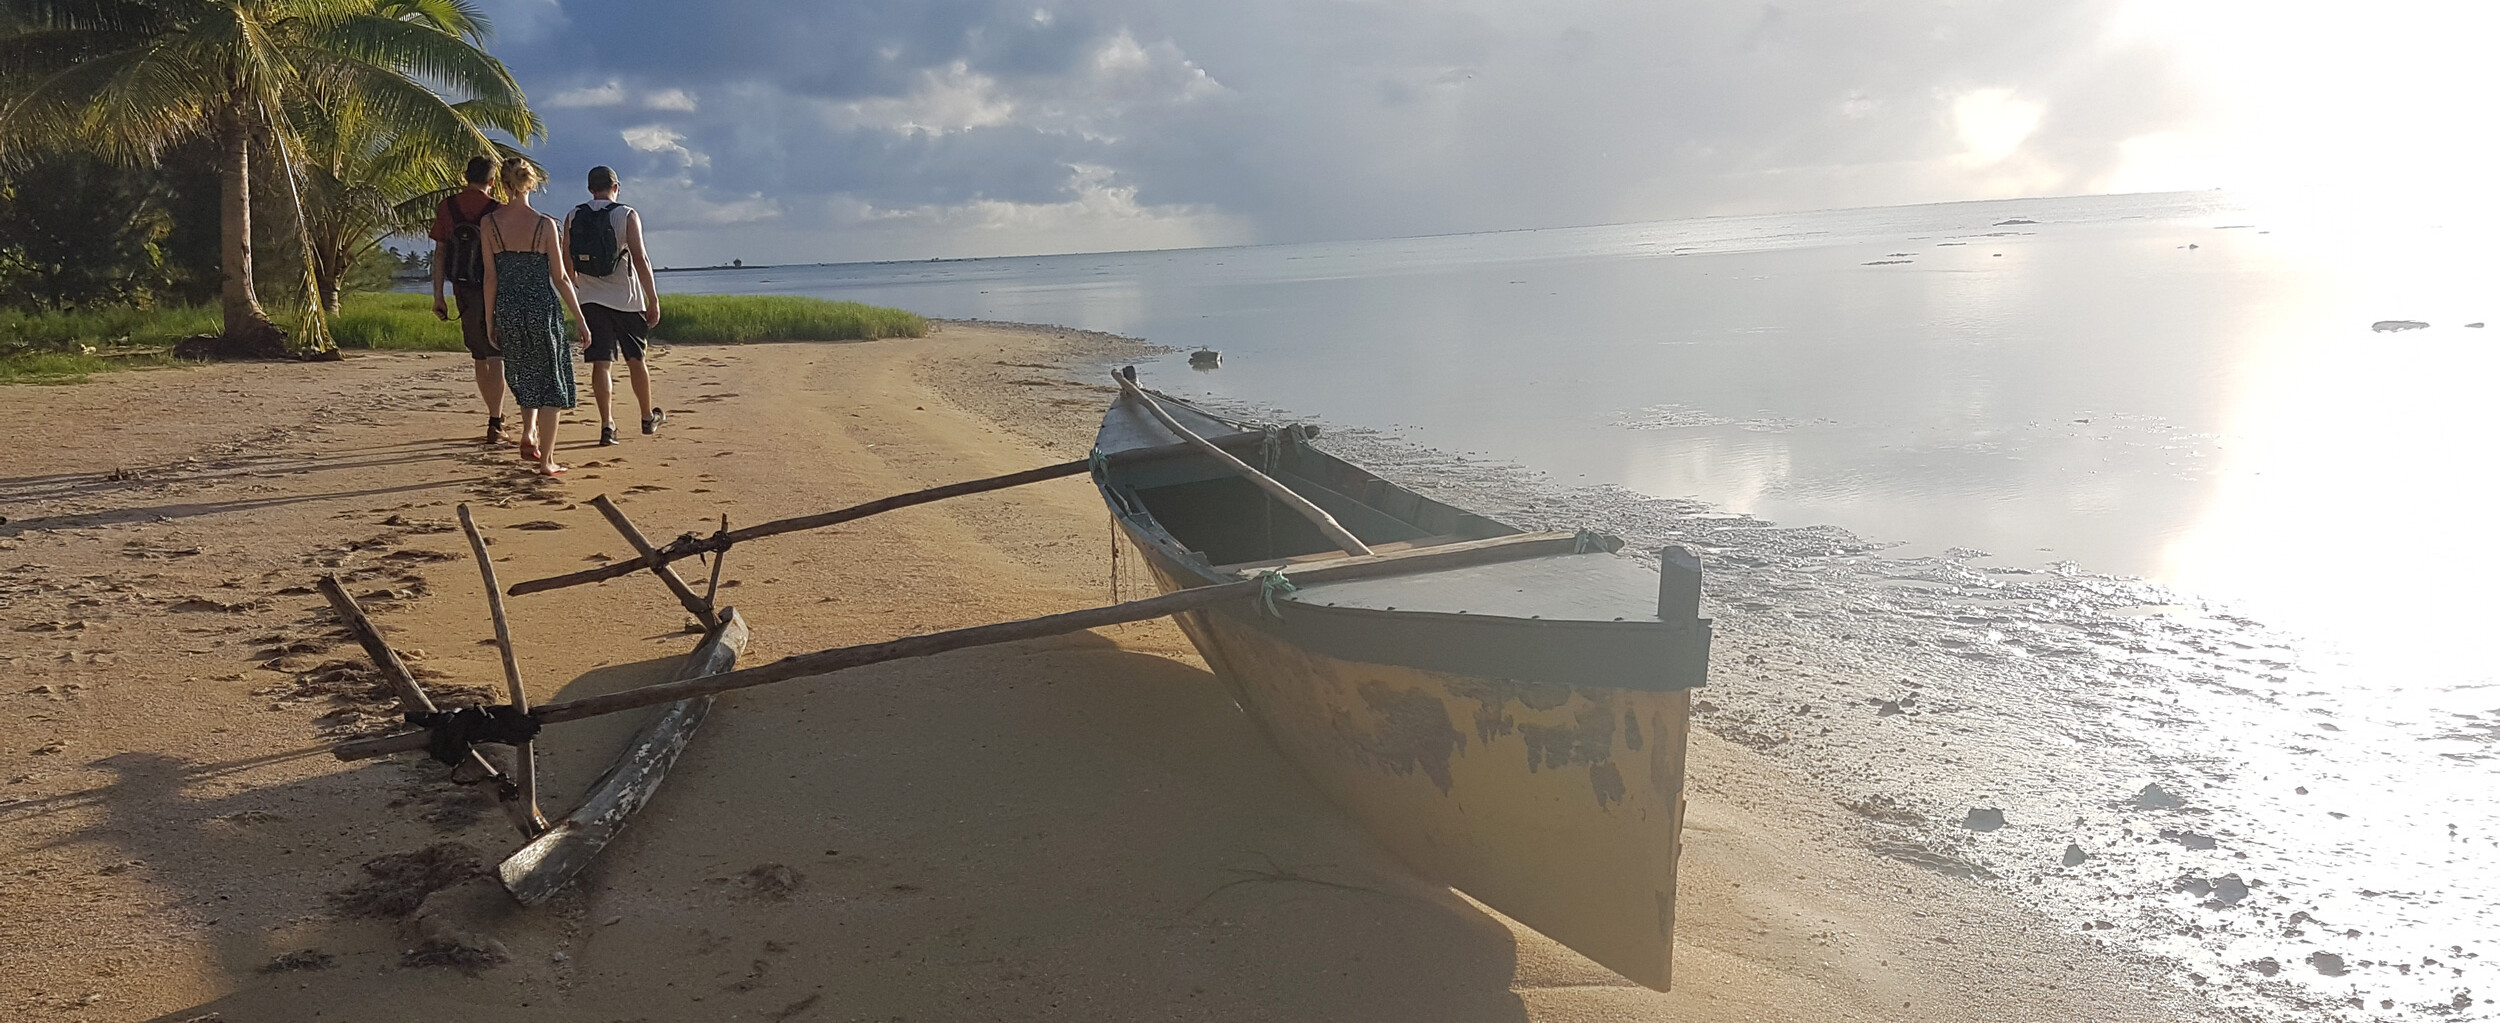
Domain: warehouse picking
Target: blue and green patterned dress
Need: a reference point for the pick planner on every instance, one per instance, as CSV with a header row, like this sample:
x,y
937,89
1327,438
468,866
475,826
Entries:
x,y
529,322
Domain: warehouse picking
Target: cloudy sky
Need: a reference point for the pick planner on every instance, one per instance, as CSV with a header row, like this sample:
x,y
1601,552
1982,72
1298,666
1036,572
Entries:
x,y
802,131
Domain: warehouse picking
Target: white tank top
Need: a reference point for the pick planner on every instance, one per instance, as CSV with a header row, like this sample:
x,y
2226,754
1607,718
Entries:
x,y
622,290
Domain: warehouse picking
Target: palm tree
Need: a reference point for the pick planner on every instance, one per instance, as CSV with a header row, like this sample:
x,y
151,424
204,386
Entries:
x,y
135,76
363,182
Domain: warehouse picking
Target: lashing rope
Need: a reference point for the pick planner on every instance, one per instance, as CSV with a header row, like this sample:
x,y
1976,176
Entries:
x,y
1273,584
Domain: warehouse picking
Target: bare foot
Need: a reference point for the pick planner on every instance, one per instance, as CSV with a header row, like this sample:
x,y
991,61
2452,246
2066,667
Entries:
x,y
552,469
529,449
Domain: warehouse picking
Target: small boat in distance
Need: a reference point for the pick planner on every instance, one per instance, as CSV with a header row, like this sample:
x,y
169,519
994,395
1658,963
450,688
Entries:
x,y
1504,711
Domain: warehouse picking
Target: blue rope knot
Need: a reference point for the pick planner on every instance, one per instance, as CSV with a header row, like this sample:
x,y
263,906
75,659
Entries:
x,y
1273,584
1098,462
1591,540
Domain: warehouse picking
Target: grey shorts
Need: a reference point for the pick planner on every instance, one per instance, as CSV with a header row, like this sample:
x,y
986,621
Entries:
x,y
612,331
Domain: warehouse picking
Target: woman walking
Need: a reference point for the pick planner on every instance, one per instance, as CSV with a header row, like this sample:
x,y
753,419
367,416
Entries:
x,y
526,275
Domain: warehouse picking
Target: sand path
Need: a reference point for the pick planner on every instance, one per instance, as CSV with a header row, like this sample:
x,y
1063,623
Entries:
x,y
1079,828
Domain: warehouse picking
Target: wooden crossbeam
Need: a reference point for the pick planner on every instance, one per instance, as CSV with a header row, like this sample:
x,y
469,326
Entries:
x,y
691,546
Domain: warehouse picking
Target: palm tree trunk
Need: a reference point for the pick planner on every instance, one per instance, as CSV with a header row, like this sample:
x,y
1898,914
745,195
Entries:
x,y
245,323
328,268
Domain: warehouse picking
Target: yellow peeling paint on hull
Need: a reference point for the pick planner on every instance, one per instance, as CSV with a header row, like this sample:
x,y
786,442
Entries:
x,y
1561,806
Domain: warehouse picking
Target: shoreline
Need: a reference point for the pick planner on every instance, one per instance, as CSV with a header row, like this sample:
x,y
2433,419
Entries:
x,y
1040,830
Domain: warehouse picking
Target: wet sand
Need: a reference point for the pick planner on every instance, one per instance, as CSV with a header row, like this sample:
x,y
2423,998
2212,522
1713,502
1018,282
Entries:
x,y
1070,828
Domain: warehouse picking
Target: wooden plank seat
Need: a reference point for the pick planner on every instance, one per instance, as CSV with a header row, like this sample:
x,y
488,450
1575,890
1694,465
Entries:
x,y
1378,548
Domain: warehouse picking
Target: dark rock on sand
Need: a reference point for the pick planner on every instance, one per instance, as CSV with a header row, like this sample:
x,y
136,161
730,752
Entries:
x,y
2074,856
302,959
2154,797
1984,818
771,882
2388,326
2189,839
2227,890
2327,963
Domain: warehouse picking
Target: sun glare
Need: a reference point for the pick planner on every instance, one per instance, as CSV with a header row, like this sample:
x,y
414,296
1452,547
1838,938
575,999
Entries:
x,y
2376,109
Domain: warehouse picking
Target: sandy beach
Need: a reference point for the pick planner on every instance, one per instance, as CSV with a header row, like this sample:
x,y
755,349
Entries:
x,y
1079,828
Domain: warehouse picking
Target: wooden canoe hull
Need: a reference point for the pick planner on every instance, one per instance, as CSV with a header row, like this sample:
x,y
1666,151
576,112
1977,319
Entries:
x,y
1511,723
1561,806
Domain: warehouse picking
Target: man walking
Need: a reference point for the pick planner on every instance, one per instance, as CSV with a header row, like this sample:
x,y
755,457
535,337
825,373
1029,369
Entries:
x,y
460,258
620,302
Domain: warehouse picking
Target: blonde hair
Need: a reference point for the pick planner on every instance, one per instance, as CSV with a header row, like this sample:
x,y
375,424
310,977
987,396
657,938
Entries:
x,y
519,176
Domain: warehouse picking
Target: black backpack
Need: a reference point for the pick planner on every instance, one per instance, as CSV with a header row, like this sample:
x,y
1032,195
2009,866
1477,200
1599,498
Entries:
x,y
464,260
593,243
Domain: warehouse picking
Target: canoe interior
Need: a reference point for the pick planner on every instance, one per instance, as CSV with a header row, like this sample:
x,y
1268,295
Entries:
x,y
1208,509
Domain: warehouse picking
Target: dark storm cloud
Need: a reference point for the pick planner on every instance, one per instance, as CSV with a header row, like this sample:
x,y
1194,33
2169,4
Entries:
x,y
1312,119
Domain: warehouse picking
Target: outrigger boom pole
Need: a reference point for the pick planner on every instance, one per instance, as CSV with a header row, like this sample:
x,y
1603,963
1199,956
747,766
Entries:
x,y
1266,584
690,545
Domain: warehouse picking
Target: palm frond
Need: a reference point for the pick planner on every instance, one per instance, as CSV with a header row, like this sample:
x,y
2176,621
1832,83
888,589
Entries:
x,y
421,52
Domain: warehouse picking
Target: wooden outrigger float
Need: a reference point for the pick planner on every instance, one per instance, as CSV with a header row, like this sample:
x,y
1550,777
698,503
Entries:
x,y
1505,711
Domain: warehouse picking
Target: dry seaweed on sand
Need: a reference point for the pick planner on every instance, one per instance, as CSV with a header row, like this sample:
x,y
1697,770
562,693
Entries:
x,y
395,884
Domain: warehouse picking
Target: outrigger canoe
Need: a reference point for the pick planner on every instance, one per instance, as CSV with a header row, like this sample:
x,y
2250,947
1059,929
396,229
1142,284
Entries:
x,y
1511,724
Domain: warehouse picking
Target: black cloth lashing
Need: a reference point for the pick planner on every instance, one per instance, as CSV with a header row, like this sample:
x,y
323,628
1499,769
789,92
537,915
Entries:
x,y
452,732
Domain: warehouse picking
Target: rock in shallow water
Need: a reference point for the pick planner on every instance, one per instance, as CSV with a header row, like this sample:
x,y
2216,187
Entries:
x,y
2154,797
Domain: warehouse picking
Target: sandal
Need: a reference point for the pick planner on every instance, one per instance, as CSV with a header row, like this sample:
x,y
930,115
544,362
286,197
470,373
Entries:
x,y
651,423
607,435
529,451
494,429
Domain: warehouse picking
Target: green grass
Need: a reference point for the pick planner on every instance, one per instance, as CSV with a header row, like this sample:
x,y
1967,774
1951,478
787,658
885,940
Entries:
x,y
64,348
23,367
394,322
405,322
105,328
738,319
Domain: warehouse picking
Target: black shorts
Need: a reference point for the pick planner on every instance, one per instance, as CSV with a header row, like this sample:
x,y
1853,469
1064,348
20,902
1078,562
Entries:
x,y
612,329
471,299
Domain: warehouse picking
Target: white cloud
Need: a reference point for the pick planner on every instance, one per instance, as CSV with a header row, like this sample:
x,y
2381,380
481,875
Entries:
x,y
660,139
669,99
1099,214
751,208
525,21
1122,75
607,95
1124,70
948,99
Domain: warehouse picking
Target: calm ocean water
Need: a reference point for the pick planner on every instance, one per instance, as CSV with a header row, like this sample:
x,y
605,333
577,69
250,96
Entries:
x,y
2100,493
